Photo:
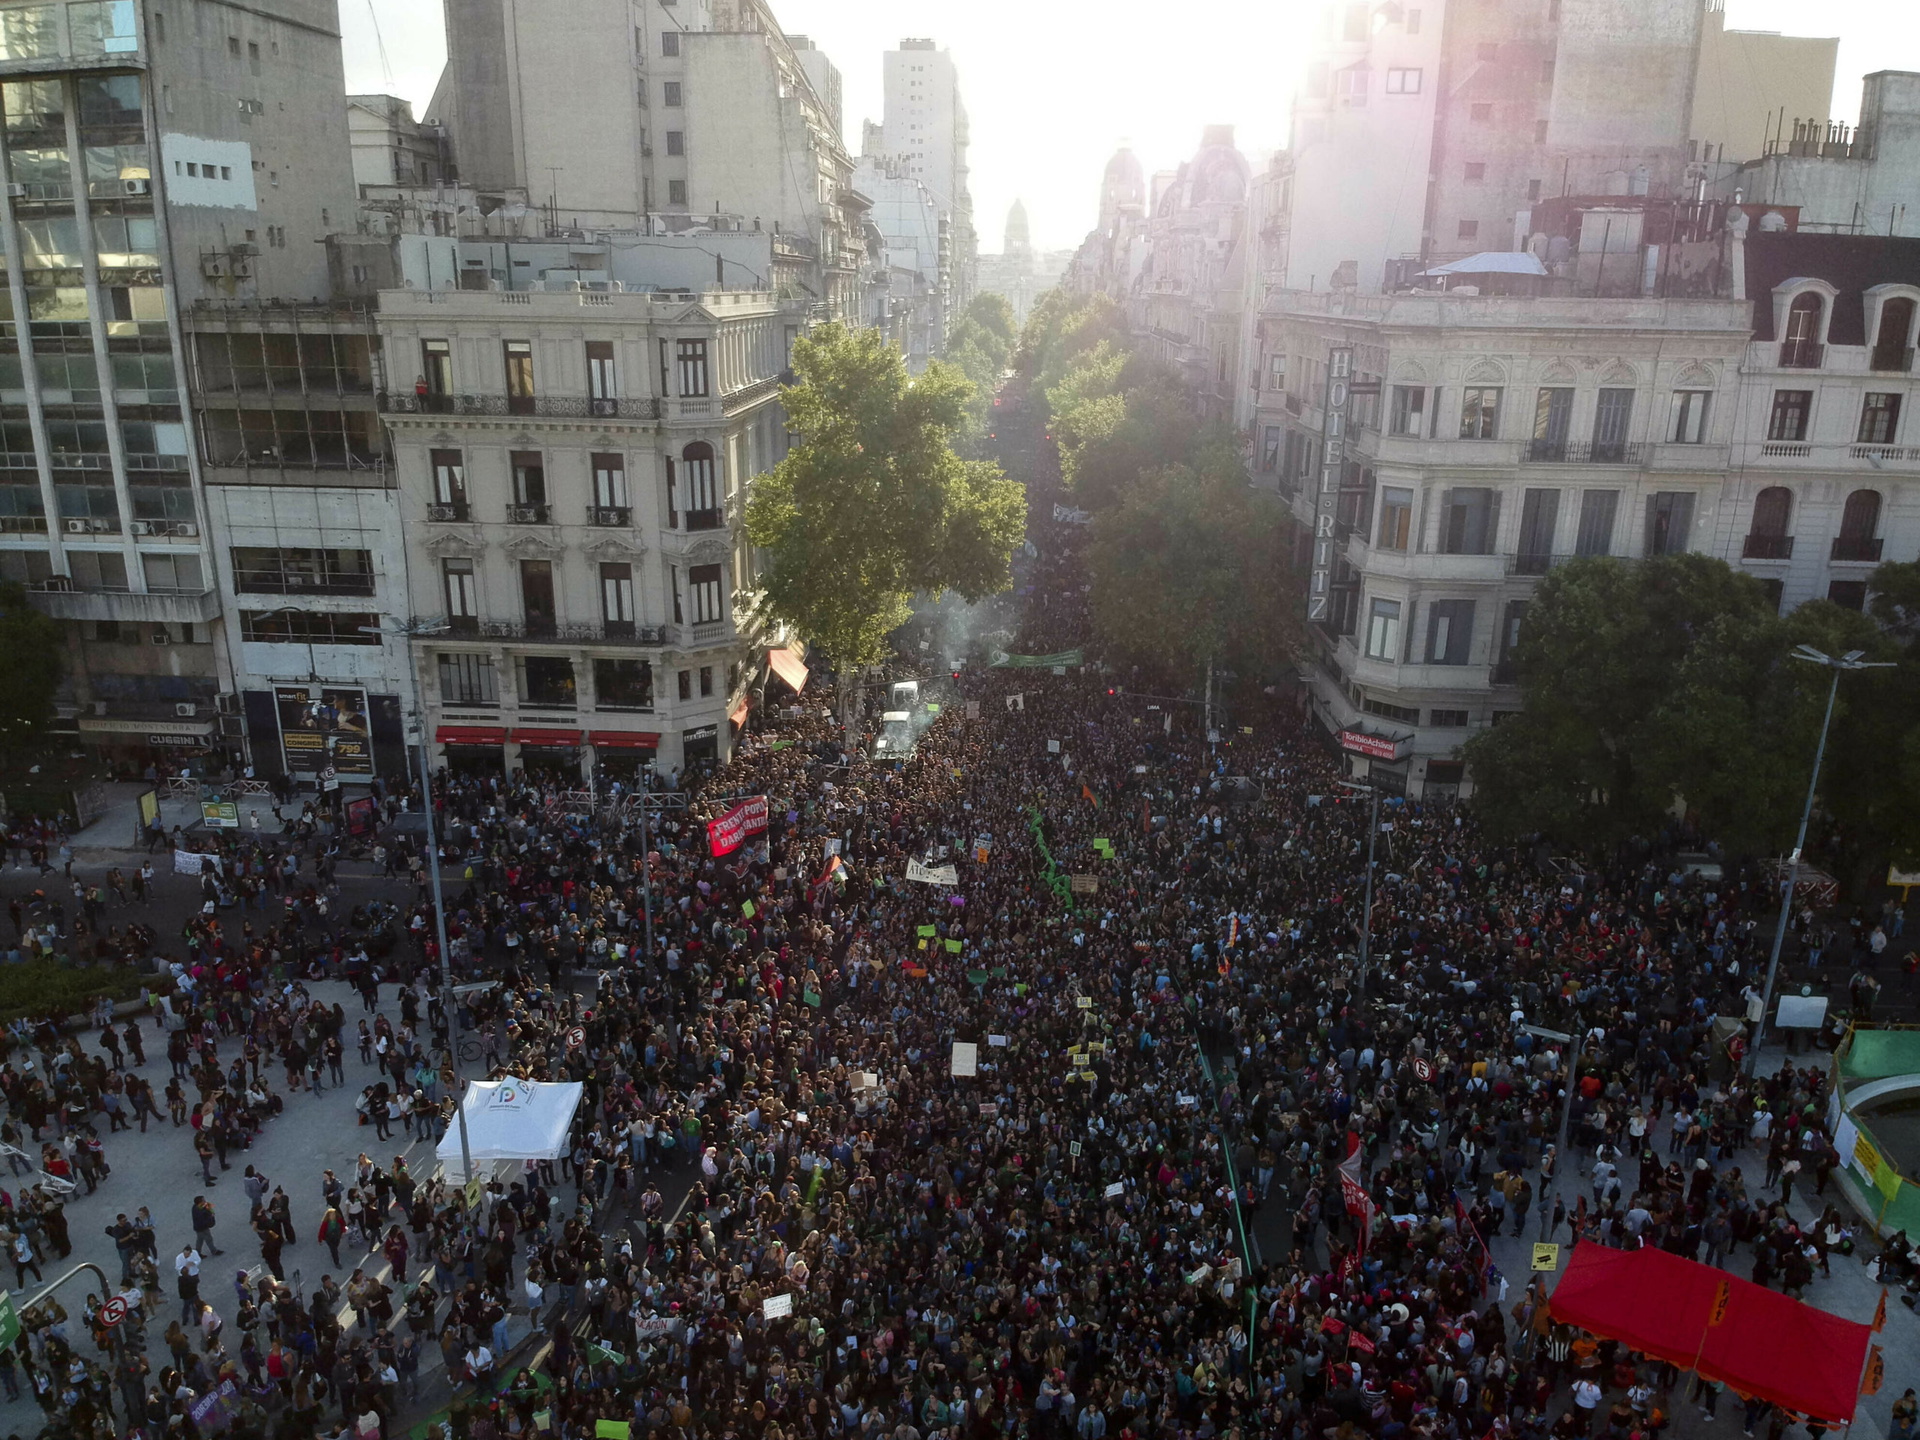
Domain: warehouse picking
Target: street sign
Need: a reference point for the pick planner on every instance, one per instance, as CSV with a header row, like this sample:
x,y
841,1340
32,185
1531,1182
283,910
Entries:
x,y
114,1311
576,1037
1422,1068
1546,1257
1545,1034
473,1193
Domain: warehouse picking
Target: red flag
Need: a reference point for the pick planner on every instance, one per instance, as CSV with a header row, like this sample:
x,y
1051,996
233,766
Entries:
x,y
1087,790
729,832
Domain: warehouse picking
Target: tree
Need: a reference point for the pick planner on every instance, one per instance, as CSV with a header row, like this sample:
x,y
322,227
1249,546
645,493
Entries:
x,y
35,662
1184,572
979,344
873,505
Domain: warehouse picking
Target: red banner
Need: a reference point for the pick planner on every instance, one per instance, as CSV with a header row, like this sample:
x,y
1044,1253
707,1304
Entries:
x,y
749,817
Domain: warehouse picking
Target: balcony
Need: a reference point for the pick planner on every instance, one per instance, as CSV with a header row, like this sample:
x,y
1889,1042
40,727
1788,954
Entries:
x,y
1891,361
534,514
559,407
168,529
1801,355
449,512
1585,452
706,519
23,524
90,524
1533,564
1856,550
706,632
610,632
693,409
63,603
1767,547
1879,454
610,517
1427,565
1505,672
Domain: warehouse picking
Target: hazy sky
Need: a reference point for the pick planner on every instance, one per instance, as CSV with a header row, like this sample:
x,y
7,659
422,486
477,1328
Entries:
x,y
1053,86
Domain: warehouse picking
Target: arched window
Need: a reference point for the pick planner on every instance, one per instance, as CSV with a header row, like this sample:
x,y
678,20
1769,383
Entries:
x,y
1858,522
702,493
1891,347
1767,537
1800,347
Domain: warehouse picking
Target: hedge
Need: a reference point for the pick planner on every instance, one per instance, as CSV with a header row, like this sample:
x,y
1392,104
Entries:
x,y
39,987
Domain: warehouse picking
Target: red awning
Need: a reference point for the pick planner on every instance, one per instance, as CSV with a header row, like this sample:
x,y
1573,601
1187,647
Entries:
x,y
624,739
789,667
470,735
546,737
738,715
1763,1343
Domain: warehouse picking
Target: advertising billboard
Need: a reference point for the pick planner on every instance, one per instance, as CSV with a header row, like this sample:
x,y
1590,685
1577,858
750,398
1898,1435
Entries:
x,y
324,727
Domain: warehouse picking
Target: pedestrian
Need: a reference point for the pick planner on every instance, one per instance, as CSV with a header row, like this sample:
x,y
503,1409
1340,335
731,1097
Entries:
x,y
203,1222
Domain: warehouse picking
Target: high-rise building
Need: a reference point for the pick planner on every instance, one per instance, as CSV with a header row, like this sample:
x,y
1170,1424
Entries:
x,y
161,166
912,288
925,131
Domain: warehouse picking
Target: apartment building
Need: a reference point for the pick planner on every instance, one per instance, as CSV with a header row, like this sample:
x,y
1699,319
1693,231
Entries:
x,y
911,300
571,467
1861,179
924,133
391,148
157,156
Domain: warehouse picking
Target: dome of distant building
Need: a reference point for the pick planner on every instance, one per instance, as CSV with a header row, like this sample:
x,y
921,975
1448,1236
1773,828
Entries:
x,y
1017,242
1123,187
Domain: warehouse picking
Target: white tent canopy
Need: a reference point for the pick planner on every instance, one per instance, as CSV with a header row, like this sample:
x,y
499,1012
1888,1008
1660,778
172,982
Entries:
x,y
1492,262
510,1120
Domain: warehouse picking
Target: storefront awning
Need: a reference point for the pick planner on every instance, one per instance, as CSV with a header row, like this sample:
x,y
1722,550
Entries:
x,y
120,725
789,667
546,737
738,715
470,735
624,739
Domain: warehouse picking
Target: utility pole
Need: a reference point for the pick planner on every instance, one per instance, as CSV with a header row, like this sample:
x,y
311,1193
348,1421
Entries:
x,y
648,803
446,962
1366,923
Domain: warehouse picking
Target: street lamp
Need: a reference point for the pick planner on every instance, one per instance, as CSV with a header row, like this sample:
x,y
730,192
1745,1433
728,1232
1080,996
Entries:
x,y
1852,660
1373,833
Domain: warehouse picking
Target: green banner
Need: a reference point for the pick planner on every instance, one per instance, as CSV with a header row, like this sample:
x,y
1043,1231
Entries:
x,y
1003,660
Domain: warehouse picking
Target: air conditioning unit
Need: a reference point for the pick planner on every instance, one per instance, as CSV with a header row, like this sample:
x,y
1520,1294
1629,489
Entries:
x,y
213,266
227,704
137,187
160,635
76,527
17,190
242,269
143,527
185,709
231,727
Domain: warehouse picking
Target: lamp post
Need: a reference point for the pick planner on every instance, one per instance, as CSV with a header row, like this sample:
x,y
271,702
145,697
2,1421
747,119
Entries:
x,y
1837,664
1373,834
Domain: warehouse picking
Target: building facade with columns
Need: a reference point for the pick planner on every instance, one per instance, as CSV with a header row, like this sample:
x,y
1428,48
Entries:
x,y
571,468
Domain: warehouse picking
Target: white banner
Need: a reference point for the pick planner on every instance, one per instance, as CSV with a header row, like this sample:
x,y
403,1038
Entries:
x,y
966,1058
189,862
932,874
1068,515
776,1306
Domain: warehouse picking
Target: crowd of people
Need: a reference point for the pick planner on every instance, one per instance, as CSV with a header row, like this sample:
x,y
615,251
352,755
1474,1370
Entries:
x,y
978,1158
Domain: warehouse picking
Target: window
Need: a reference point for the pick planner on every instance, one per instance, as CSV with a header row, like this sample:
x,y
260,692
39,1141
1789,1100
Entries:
x,y
1612,419
1597,511
609,481
709,605
1481,114
1476,171
1879,418
706,680
1403,81
450,480
1774,588
1480,413
547,681
1552,420
173,574
1789,418
98,570
1396,517
518,355
702,498
1386,710
1891,346
292,570
233,46
601,384
463,601
676,142
1669,522
307,627
1469,229
1767,537
1445,720
1469,518
1848,594
622,685
616,597
1277,372
686,684
536,595
1859,519
692,355
1539,515
529,479
673,579
669,42
1270,449
1407,415
1449,631
253,56
1383,630
676,192
1515,617
670,94
1801,347
1352,83
468,680
1690,416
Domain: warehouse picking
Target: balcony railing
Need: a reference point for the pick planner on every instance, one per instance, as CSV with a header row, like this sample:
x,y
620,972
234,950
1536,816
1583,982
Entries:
x,y
1767,547
1857,549
607,632
448,511
401,402
1895,360
1585,452
1506,672
610,517
1532,564
1801,355
706,519
23,524
538,513
175,529
709,632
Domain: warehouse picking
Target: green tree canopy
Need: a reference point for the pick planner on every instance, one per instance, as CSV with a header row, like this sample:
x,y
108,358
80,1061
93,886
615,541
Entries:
x,y
873,505
36,658
1189,566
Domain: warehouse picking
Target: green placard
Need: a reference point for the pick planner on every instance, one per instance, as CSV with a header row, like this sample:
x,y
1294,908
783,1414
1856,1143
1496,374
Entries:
x,y
812,997
9,1322
746,908
953,947
927,932
978,977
